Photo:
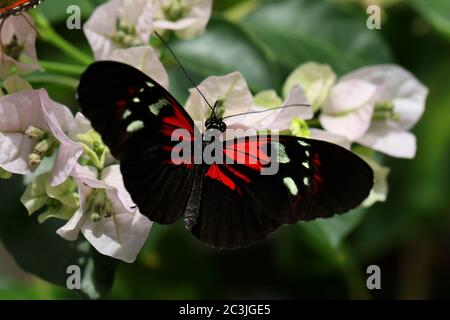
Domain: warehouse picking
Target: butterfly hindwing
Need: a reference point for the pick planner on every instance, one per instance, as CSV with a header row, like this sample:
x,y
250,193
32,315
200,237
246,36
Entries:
x,y
136,117
315,179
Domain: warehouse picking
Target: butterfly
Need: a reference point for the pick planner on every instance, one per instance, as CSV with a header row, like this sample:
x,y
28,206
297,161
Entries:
x,y
16,7
226,205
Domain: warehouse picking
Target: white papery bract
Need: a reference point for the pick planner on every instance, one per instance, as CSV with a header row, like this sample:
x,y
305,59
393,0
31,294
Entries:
x,y
399,106
188,18
230,91
316,79
145,59
119,234
34,109
349,108
18,48
119,24
235,97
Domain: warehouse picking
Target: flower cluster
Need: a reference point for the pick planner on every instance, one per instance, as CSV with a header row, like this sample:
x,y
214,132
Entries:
x,y
369,110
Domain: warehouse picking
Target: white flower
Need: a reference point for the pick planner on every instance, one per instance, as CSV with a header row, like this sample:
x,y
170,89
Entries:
x,y
96,153
295,105
230,91
145,59
187,18
380,188
400,104
119,24
316,79
59,202
376,106
18,48
349,108
30,124
234,98
107,217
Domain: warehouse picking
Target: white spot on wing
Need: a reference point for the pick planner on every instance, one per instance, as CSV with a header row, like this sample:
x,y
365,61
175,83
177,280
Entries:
x,y
303,143
282,155
306,181
135,126
290,184
126,114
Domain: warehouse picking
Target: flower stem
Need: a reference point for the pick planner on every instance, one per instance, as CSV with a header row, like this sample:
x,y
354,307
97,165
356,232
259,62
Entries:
x,y
49,34
68,82
62,68
313,122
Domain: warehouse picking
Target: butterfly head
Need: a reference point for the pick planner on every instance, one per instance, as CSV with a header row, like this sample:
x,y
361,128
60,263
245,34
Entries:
x,y
215,122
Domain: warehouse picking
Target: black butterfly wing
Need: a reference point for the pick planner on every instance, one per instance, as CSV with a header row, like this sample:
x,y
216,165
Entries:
x,y
136,118
315,179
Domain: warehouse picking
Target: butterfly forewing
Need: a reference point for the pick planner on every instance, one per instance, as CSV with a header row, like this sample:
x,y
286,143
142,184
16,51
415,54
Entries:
x,y
136,118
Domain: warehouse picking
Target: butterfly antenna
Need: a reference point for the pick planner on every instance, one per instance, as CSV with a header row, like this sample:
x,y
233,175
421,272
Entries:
x,y
183,69
262,111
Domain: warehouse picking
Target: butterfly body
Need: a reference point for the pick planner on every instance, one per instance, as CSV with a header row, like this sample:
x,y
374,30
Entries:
x,y
231,193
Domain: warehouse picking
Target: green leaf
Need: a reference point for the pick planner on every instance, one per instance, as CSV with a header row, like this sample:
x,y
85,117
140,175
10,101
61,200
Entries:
x,y
225,48
297,31
227,4
327,235
436,12
39,250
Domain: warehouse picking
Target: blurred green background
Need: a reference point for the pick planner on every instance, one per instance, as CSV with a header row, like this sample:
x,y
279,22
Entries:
x,y
408,236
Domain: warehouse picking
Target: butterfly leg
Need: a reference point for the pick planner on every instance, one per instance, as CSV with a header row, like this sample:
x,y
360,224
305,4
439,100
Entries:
x,y
193,205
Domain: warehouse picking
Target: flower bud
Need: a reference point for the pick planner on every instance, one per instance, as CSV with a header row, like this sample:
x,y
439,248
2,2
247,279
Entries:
x,y
5,174
35,133
43,147
98,205
316,79
300,128
34,159
96,217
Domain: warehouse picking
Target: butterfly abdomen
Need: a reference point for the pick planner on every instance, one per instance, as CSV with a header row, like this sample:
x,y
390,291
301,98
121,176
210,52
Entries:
x,y
193,205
